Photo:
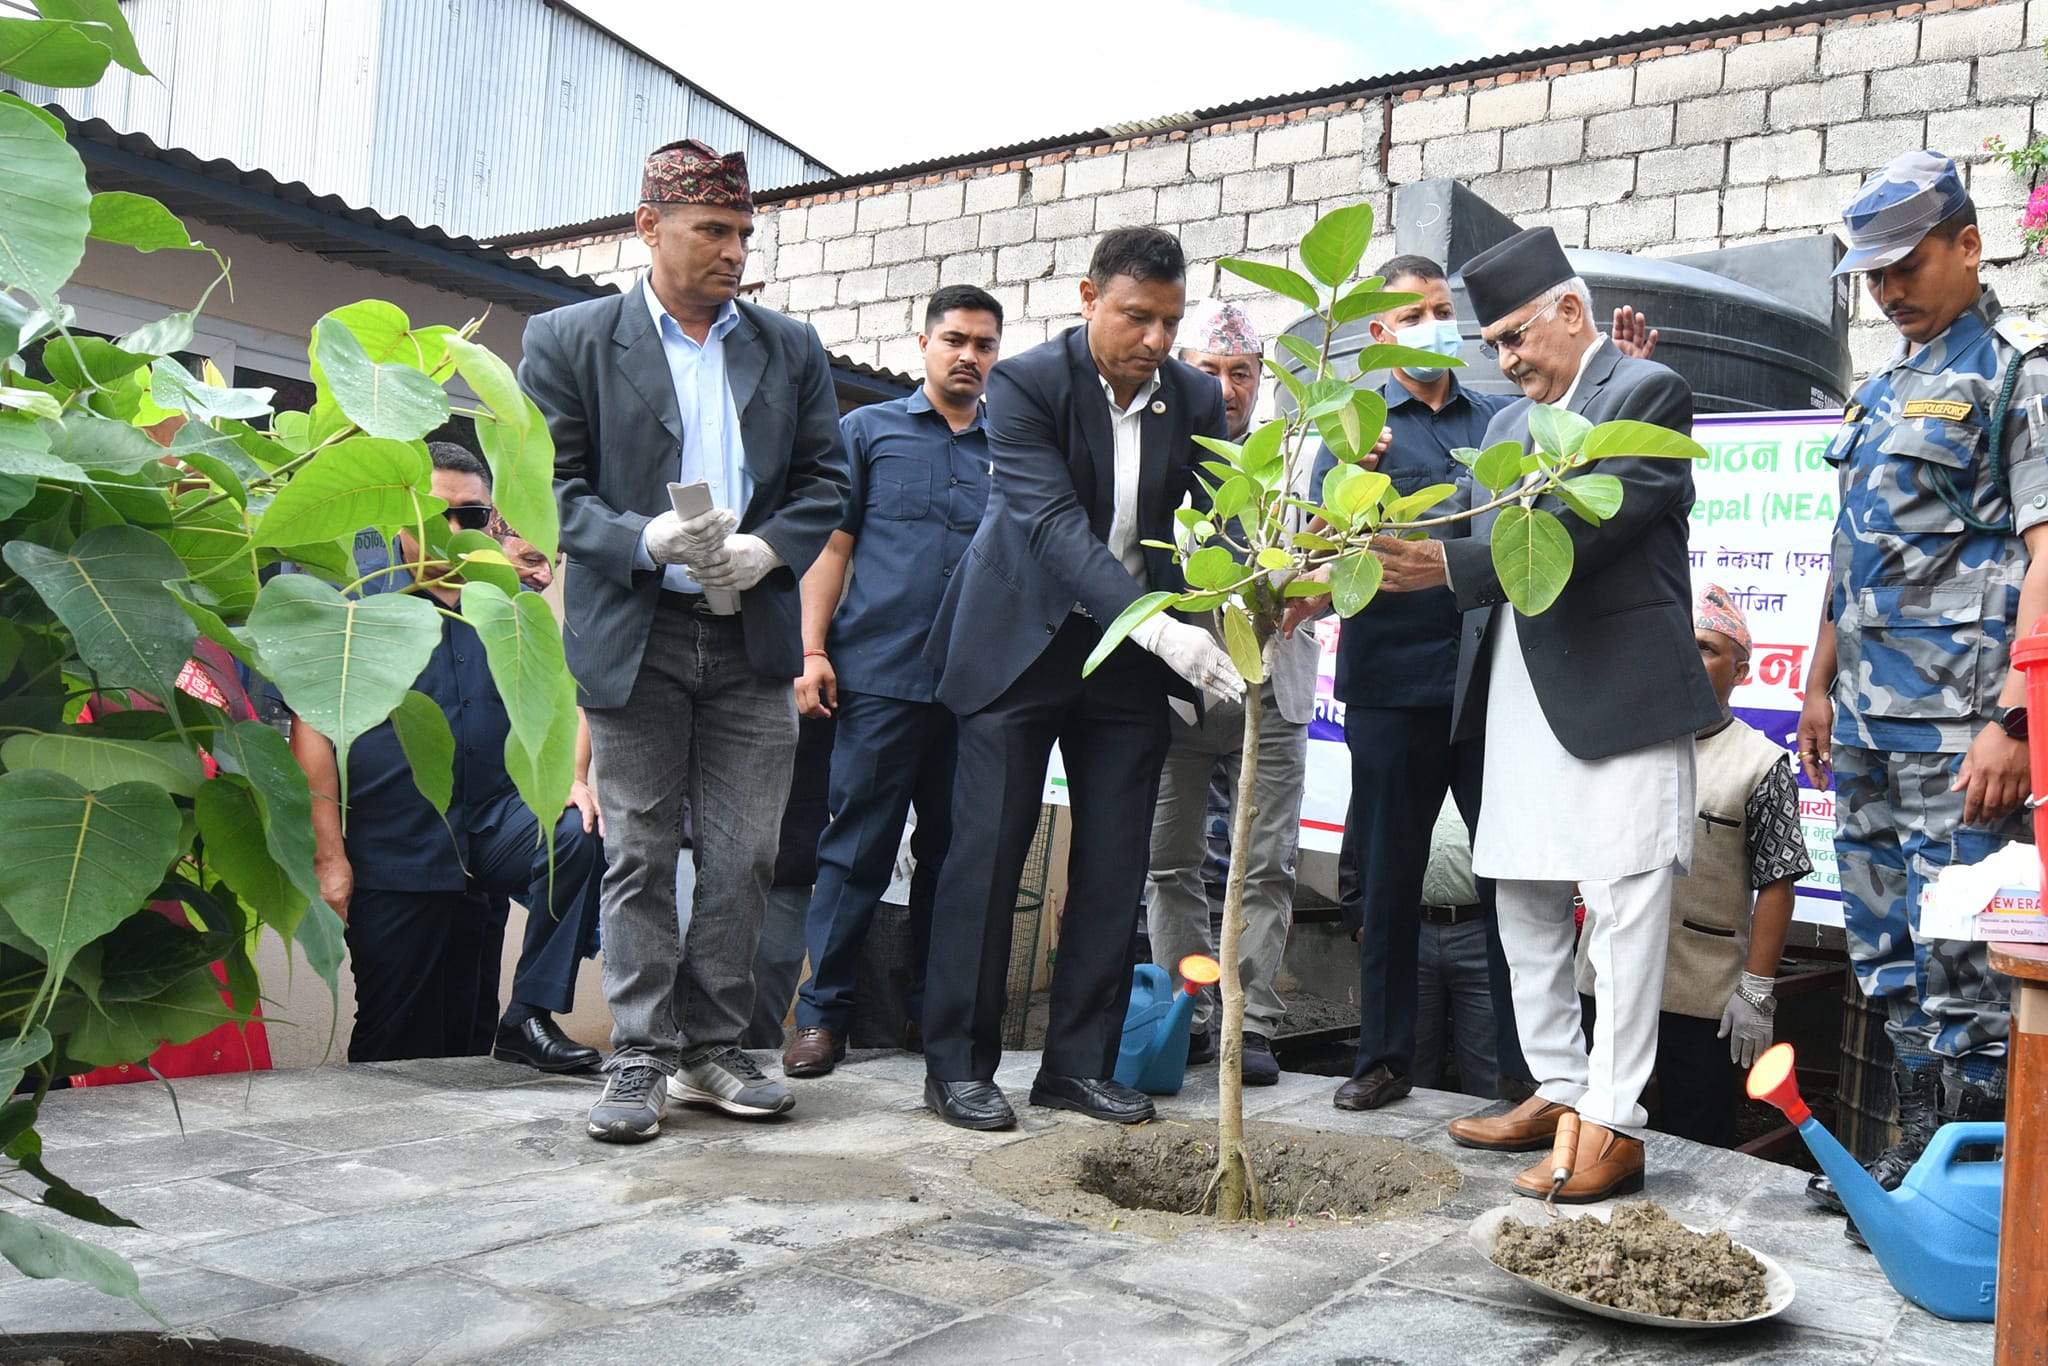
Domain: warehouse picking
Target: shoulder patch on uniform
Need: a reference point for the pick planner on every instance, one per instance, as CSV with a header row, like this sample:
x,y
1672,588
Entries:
x,y
1954,410
2021,331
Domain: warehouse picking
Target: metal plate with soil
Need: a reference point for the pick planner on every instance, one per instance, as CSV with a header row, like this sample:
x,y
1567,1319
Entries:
x,y
1155,1179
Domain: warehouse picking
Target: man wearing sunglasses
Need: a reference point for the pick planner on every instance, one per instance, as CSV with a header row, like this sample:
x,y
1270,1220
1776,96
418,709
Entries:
x,y
413,888
1588,712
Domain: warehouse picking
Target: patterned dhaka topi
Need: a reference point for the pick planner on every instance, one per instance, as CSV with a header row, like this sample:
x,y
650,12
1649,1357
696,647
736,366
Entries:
x,y
688,172
1716,611
1215,328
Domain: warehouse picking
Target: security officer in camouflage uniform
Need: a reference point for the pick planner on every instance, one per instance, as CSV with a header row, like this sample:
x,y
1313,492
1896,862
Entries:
x,y
1940,559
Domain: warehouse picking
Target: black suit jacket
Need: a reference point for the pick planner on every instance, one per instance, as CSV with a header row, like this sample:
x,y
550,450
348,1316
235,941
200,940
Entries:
x,y
1043,545
598,374
1613,661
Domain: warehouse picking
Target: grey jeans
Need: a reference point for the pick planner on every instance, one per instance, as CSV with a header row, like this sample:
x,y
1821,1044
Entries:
x,y
699,723
1176,907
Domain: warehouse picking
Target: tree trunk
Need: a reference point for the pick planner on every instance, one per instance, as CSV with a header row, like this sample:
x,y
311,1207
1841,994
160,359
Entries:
x,y
1237,1188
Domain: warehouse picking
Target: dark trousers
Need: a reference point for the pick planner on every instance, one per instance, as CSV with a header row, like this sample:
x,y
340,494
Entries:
x,y
1112,731
887,756
1402,765
412,953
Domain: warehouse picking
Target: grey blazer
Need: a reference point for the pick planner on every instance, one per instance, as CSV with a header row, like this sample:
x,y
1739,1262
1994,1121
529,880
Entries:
x,y
598,374
1613,661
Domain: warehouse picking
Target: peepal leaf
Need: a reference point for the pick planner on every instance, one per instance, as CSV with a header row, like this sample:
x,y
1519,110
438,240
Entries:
x,y
1532,555
137,221
17,1055
524,645
119,1031
1498,466
363,481
393,401
108,589
112,26
342,663
45,207
74,864
52,52
516,442
232,828
429,747
1595,497
96,763
47,1253
174,387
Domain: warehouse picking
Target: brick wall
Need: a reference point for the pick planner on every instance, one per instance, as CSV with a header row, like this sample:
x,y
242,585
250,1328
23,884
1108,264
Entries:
x,y
1682,147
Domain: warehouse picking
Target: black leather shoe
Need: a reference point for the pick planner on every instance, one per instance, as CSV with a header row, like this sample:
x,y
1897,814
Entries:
x,y
1097,1098
969,1104
1379,1086
539,1042
1201,1048
1256,1064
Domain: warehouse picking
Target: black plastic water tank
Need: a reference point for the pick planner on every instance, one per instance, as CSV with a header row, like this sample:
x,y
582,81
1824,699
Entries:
x,y
1753,328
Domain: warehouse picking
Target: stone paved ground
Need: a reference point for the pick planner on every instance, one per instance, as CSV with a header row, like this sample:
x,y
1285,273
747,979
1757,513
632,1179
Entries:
x,y
453,1210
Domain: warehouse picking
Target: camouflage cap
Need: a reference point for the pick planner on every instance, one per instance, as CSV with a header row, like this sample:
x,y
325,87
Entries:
x,y
1897,207
689,172
1216,328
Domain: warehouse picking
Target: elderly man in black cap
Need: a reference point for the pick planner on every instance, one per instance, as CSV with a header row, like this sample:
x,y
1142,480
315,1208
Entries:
x,y
675,381
1588,713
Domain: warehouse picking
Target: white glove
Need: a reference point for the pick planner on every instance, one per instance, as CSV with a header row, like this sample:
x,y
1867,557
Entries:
x,y
672,540
1747,1026
741,563
1194,654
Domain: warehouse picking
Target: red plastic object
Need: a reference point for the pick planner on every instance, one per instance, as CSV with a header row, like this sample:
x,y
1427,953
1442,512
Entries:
x,y
1774,1079
1199,970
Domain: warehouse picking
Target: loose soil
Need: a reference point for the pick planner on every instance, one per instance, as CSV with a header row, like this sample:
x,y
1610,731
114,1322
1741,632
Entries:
x,y
1640,1259
1154,1179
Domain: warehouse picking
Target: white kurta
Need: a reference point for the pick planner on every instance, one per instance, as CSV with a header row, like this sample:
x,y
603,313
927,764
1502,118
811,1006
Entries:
x,y
1546,815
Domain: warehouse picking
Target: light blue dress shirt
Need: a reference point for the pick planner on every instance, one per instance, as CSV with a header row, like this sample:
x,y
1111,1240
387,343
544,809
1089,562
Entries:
x,y
711,426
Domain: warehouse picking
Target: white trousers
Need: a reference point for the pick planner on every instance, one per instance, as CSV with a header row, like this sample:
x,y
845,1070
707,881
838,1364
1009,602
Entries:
x,y
1627,922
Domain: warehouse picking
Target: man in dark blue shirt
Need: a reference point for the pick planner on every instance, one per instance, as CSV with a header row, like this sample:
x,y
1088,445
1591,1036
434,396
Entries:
x,y
1396,662
919,469
412,888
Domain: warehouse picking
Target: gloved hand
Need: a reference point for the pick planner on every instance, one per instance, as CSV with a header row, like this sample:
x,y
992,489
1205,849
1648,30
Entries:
x,y
741,563
1747,1026
1194,654
672,540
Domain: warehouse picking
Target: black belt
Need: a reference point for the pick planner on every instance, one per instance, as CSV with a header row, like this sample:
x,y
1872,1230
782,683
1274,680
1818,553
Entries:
x,y
1450,915
696,605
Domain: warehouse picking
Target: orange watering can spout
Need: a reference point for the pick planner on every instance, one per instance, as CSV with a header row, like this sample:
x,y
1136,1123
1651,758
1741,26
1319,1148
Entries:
x,y
1199,970
1773,1079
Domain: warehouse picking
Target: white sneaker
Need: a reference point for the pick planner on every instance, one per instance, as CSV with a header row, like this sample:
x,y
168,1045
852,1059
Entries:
x,y
728,1079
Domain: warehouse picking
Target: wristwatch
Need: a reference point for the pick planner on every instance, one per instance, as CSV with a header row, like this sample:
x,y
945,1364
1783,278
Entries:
x,y
2012,720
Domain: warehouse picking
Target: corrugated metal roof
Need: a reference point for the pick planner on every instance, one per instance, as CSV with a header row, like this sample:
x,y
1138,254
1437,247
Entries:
x,y
479,118
1369,86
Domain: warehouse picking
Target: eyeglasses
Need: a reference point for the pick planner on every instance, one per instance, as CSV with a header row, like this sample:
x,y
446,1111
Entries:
x,y
1511,339
470,516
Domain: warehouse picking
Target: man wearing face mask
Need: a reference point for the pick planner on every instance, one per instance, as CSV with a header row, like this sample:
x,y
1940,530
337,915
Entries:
x,y
1396,662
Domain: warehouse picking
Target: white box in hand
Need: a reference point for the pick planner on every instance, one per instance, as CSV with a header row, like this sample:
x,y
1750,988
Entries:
x,y
694,500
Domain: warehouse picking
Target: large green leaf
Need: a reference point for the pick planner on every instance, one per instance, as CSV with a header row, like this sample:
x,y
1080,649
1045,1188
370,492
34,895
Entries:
x,y
1335,245
1559,431
429,747
1279,279
320,935
1640,439
523,642
1128,620
51,122
44,204
136,220
108,589
148,954
119,1031
51,52
363,481
1354,580
212,540
1532,555
19,1054
1498,466
177,389
515,441
46,1253
1262,458
1212,567
88,362
1242,640
101,444
284,803
341,663
1595,497
1360,491
112,26
1385,356
394,401
236,844
387,335
1413,505
95,764
1367,300
74,864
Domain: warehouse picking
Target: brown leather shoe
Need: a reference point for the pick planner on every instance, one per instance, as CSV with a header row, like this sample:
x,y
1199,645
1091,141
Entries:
x,y
813,1052
1606,1164
1525,1128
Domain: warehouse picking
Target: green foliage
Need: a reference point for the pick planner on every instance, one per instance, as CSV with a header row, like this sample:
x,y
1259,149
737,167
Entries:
x,y
141,504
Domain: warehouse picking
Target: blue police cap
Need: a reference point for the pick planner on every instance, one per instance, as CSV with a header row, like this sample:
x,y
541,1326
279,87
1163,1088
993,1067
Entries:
x,y
1897,207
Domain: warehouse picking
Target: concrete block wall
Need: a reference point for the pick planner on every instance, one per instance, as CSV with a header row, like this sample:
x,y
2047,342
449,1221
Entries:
x,y
1683,146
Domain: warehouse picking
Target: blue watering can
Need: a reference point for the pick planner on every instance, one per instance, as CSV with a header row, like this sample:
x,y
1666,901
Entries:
x,y
1154,1055
1936,1236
